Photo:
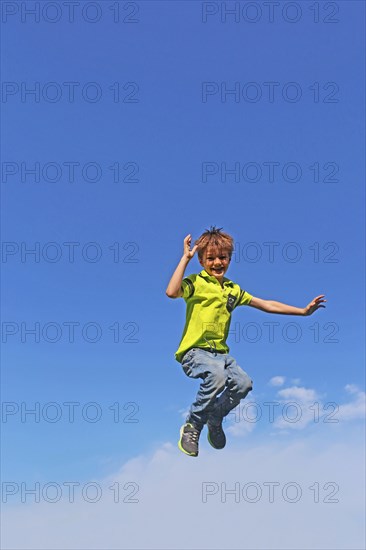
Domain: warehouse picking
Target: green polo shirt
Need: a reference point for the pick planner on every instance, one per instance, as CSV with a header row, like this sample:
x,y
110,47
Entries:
x,y
209,307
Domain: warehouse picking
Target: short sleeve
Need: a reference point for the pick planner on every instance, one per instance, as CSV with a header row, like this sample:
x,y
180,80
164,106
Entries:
x,y
187,287
244,298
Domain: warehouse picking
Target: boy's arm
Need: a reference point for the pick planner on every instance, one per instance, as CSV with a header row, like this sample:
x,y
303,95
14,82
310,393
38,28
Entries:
x,y
271,306
174,287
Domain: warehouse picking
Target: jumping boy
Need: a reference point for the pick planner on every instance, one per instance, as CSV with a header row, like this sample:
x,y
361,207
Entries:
x,y
203,352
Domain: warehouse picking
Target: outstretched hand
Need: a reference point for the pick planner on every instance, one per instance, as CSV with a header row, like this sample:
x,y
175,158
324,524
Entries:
x,y
188,253
314,305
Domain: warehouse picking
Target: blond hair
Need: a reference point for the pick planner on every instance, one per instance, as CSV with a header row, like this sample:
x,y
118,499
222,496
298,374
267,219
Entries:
x,y
214,237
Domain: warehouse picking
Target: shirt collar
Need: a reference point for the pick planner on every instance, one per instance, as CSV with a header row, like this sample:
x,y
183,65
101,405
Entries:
x,y
208,277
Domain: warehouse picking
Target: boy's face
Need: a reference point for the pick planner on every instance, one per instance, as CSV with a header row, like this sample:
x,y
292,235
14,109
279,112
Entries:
x,y
215,261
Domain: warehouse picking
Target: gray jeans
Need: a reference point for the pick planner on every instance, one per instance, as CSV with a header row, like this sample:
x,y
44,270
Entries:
x,y
220,373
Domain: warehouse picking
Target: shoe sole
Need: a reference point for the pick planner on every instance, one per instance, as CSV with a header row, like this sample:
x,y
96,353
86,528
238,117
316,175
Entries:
x,y
180,445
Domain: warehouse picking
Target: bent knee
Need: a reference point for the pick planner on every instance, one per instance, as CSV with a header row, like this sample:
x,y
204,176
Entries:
x,y
217,380
244,385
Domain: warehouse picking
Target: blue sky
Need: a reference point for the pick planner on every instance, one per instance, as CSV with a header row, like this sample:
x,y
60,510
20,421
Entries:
x,y
172,142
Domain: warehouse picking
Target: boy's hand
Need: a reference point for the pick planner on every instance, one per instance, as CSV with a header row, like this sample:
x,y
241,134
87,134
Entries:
x,y
188,253
314,305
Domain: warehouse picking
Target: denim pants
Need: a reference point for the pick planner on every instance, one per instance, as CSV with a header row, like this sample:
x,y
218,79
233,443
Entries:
x,y
220,373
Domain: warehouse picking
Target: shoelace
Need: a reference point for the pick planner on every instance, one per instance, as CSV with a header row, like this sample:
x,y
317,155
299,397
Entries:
x,y
216,428
193,435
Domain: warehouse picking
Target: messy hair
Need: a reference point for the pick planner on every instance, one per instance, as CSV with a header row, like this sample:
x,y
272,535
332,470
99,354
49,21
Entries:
x,y
214,237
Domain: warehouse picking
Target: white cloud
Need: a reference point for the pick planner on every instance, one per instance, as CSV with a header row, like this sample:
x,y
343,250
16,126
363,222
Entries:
x,y
303,395
239,426
208,502
239,497
351,388
299,407
277,381
356,408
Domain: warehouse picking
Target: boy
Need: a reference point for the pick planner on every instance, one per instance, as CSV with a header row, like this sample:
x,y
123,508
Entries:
x,y
203,351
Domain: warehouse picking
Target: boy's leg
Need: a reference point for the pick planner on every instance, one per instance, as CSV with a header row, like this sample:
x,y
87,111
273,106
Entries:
x,y
211,368
238,385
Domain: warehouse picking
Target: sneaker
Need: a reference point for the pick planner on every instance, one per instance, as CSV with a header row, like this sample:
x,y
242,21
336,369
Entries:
x,y
189,436
216,436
